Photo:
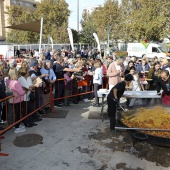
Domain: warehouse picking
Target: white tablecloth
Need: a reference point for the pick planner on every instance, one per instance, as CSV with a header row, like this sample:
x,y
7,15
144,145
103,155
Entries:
x,y
133,94
102,93
141,94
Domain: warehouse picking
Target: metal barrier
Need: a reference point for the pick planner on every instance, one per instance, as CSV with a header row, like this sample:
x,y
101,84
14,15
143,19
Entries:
x,y
10,107
59,86
19,60
50,102
77,88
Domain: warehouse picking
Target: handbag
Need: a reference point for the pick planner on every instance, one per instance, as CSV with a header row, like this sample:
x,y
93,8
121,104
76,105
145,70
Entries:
x,y
46,89
32,96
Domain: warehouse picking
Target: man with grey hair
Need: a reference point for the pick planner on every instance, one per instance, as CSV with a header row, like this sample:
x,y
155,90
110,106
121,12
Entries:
x,y
49,79
66,61
12,63
71,63
78,57
47,70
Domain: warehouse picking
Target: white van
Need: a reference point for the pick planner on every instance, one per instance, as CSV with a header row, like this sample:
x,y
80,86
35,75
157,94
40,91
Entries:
x,y
139,50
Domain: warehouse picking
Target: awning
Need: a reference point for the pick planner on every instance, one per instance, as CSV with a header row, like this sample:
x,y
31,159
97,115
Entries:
x,y
33,26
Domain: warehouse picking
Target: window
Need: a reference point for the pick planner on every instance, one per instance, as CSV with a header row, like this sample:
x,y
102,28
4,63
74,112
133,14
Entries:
x,y
28,4
34,5
14,2
155,50
20,3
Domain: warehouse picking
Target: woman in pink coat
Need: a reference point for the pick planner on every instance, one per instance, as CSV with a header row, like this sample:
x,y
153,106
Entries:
x,y
13,85
114,73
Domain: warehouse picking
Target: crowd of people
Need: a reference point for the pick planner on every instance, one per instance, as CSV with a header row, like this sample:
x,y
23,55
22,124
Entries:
x,y
63,73
144,75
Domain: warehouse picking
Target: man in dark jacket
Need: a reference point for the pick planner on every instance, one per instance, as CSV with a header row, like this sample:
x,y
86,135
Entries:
x,y
2,96
163,83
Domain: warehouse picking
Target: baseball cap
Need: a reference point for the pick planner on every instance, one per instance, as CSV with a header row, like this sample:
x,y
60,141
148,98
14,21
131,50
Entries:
x,y
34,63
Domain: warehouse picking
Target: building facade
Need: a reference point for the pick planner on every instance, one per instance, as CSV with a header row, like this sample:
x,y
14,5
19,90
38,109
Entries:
x,y
4,15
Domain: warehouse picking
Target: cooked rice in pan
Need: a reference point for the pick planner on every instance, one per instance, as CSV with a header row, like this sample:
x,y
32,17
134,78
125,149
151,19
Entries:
x,y
152,118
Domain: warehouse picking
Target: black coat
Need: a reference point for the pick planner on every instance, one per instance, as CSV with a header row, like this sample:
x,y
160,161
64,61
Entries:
x,y
2,89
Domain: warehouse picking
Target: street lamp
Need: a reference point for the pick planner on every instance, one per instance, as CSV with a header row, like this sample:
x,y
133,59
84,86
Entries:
x,y
78,23
78,16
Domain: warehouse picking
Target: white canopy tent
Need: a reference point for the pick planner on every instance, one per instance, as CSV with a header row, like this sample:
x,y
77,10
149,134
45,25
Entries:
x,y
34,26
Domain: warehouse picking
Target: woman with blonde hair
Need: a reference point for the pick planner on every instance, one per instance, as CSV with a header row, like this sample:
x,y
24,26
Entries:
x,y
13,85
25,64
97,81
165,64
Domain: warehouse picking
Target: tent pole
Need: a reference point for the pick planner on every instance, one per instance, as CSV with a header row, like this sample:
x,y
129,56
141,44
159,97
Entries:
x,y
52,43
41,28
48,42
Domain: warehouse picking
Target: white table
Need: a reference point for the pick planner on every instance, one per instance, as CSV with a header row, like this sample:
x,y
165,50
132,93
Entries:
x,y
102,94
141,94
128,94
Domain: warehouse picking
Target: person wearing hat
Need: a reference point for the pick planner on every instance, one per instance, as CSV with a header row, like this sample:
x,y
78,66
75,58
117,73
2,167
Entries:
x,y
113,99
34,74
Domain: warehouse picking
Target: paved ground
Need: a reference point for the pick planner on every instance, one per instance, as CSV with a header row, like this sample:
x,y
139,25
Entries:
x,y
74,143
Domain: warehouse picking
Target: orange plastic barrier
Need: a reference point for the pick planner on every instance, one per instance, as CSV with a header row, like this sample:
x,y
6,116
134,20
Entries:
x,y
82,83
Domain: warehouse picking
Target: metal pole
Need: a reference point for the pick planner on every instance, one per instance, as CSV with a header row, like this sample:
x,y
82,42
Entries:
x,y
108,38
48,42
78,23
41,29
52,43
78,16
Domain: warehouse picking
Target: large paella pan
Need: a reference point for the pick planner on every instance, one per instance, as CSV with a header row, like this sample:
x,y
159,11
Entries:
x,y
152,122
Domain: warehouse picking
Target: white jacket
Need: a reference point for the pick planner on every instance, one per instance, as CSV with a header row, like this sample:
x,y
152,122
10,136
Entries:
x,y
97,77
26,83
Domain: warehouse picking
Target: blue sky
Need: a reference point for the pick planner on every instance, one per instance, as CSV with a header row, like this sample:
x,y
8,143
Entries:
x,y
82,4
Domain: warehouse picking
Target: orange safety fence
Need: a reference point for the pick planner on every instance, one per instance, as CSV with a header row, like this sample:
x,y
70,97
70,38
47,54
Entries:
x,y
82,87
77,88
19,60
88,89
9,109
